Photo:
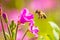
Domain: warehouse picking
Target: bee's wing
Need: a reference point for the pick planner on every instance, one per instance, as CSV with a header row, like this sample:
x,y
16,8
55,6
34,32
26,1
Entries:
x,y
44,15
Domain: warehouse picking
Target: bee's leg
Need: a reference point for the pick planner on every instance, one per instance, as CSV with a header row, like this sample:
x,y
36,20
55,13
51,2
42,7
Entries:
x,y
44,16
41,16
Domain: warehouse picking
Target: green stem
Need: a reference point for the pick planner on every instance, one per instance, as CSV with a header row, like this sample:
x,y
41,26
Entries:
x,y
24,34
9,31
16,31
3,29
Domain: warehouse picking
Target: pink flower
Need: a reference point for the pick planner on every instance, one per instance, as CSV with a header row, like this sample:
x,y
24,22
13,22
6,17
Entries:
x,y
42,4
25,16
33,29
0,11
10,14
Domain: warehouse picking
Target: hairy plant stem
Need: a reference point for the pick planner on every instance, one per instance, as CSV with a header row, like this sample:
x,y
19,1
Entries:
x,y
16,31
3,28
9,31
25,34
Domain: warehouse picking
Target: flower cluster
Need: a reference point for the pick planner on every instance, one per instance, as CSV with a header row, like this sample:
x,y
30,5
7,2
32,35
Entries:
x,y
25,16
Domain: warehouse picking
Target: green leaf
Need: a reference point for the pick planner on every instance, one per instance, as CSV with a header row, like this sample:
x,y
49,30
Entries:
x,y
49,37
55,30
54,26
56,35
45,37
41,38
6,20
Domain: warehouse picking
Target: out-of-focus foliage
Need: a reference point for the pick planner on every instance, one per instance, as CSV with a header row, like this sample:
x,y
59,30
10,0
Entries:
x,y
8,4
56,30
19,4
54,26
48,30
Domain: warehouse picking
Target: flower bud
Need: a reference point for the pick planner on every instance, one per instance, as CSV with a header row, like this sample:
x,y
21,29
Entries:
x,y
5,17
0,11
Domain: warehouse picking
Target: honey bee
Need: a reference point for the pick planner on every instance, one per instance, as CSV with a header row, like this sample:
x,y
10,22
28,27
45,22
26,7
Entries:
x,y
41,14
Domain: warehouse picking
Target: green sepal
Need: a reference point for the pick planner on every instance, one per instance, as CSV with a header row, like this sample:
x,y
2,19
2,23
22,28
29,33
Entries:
x,y
7,35
13,29
6,20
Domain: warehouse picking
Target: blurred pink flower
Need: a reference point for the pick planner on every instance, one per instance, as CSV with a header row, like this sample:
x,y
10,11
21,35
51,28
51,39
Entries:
x,y
13,15
42,4
0,10
20,35
4,16
25,16
33,29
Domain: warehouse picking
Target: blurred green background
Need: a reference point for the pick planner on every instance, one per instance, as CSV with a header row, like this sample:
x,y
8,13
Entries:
x,y
53,14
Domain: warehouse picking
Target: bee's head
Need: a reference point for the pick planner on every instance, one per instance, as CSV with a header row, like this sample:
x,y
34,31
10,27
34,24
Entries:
x,y
37,11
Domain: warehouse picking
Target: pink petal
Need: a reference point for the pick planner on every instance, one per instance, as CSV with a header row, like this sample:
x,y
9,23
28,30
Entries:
x,y
25,16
